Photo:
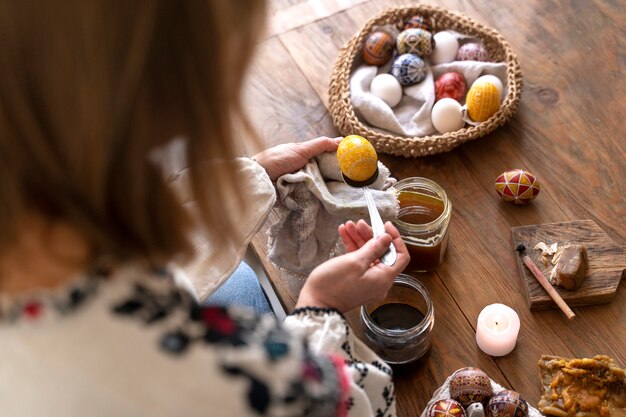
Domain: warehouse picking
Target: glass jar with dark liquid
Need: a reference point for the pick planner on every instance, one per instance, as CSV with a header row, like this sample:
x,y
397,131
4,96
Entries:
x,y
399,329
423,221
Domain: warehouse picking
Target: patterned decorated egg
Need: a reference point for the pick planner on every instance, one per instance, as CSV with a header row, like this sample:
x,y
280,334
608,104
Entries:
x,y
450,85
472,51
507,404
415,41
408,69
470,385
445,408
357,158
517,186
483,100
418,22
378,48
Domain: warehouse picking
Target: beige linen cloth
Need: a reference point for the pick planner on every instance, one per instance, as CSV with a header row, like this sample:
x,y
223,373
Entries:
x,y
411,117
313,202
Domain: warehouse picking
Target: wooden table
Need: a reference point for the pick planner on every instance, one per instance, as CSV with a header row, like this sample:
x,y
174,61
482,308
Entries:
x,y
568,131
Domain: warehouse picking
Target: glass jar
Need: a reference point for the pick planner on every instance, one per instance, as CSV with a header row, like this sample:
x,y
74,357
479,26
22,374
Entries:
x,y
422,221
399,329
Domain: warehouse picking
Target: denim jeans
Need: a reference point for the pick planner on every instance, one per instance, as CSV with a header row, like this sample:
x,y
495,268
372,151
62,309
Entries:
x,y
242,288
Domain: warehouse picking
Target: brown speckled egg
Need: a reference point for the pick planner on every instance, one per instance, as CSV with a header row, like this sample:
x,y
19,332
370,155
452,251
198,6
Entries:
x,y
357,158
445,408
470,385
517,186
378,48
507,404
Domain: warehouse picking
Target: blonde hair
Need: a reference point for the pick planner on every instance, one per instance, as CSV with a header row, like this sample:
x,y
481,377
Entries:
x,y
89,88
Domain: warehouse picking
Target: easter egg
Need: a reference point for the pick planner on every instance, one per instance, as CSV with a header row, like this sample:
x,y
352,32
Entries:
x,y
493,80
472,51
378,48
517,186
357,158
445,408
387,88
418,22
447,115
470,385
408,69
482,101
507,404
446,47
450,85
415,41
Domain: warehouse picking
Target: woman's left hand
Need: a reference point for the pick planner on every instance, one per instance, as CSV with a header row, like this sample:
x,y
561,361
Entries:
x,y
290,157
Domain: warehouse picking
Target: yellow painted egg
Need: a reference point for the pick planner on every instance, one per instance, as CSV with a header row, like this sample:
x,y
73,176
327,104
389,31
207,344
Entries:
x,y
483,100
357,158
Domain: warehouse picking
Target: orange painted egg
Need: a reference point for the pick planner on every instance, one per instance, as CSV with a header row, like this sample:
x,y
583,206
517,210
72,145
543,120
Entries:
x,y
517,186
378,48
483,100
357,158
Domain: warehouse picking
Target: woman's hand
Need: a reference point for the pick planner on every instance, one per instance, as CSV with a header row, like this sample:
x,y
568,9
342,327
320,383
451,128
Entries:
x,y
358,277
290,157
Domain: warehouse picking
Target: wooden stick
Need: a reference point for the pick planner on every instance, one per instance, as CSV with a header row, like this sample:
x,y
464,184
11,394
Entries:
x,y
548,287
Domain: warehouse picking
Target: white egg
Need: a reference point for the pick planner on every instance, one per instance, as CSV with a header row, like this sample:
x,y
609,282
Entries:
x,y
387,88
447,115
493,80
446,47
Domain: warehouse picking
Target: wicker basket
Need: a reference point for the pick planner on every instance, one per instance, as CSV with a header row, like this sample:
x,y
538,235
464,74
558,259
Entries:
x,y
342,111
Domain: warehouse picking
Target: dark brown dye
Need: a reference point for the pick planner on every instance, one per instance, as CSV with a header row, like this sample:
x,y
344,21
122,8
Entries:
x,y
417,208
397,316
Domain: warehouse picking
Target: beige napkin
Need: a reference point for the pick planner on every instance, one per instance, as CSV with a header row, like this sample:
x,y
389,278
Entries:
x,y
411,117
312,203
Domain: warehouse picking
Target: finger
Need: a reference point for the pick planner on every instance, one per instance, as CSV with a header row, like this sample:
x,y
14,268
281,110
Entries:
x,y
355,234
365,230
402,251
373,249
316,146
347,241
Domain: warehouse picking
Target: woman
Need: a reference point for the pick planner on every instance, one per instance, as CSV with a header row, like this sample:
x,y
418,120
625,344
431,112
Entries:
x,y
91,323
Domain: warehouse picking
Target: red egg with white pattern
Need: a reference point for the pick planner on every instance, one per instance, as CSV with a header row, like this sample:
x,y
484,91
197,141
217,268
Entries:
x,y
450,85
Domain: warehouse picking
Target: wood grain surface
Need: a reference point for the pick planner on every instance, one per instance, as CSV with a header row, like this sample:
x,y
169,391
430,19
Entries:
x,y
606,263
567,131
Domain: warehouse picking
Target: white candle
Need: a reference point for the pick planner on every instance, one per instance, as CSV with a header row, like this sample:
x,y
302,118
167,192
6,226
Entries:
x,y
497,329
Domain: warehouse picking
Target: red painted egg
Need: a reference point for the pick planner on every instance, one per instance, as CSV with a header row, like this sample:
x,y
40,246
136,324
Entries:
x,y
507,404
517,186
445,408
450,85
418,22
378,48
470,385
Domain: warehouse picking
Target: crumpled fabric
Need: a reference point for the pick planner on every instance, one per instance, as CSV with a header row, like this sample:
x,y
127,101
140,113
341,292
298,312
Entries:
x,y
411,117
312,203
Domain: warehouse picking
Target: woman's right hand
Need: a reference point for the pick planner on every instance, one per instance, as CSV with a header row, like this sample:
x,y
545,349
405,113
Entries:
x,y
358,277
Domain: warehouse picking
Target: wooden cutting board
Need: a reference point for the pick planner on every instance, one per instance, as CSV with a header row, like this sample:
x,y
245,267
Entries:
x,y
605,269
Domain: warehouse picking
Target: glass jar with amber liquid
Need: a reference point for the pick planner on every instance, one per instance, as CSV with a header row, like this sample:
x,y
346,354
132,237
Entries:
x,y
423,221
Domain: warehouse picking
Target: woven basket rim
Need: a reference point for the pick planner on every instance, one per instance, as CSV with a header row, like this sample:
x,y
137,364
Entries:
x,y
343,113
